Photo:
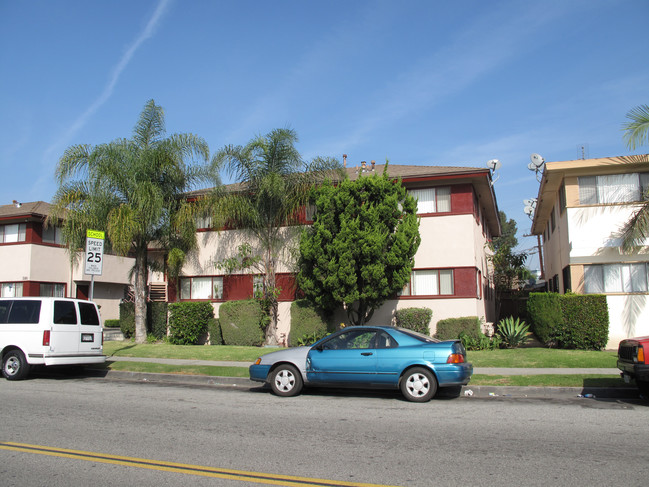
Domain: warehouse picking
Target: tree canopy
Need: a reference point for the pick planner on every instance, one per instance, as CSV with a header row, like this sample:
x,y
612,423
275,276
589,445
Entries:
x,y
508,266
360,250
274,185
133,189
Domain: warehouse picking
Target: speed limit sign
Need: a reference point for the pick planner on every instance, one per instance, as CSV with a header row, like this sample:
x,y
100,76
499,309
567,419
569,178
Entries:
x,y
94,252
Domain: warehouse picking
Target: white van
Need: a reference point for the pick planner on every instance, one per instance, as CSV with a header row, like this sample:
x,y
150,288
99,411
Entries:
x,y
48,331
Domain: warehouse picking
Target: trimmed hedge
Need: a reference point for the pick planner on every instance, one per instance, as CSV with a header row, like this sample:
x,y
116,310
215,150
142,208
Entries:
x,y
570,320
111,323
451,328
544,312
241,323
585,322
214,329
188,322
416,319
307,322
127,319
157,319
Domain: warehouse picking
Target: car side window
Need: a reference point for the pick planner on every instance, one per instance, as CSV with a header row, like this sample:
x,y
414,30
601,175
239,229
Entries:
x,y
65,313
88,314
25,312
384,340
356,339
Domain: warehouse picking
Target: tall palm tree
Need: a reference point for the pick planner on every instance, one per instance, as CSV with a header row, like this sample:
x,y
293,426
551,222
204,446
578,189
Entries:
x,y
133,188
274,184
636,133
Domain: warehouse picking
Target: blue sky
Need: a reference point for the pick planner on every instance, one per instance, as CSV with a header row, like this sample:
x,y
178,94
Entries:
x,y
414,81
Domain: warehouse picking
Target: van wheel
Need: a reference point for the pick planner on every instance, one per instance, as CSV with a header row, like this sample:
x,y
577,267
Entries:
x,y
14,365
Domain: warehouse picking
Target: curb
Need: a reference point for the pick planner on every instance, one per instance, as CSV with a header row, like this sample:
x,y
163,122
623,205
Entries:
x,y
468,392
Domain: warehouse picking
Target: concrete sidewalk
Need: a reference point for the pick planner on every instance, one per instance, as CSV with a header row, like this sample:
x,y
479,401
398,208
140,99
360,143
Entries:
x,y
476,370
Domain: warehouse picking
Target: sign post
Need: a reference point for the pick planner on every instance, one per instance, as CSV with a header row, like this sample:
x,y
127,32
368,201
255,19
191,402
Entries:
x,y
94,256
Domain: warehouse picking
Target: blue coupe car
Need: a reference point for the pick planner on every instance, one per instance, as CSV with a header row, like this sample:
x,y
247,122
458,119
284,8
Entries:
x,y
368,357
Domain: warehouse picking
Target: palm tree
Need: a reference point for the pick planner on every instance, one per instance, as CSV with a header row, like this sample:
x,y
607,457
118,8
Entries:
x,y
274,185
636,133
133,188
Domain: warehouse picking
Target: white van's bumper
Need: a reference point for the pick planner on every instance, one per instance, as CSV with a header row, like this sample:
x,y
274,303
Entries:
x,y
66,359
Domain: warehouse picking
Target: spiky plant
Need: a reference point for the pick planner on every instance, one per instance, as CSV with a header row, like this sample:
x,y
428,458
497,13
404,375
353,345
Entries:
x,y
514,332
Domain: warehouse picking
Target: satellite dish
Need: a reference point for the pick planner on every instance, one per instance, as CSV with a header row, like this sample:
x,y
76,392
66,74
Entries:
x,y
537,160
531,166
531,202
529,211
494,164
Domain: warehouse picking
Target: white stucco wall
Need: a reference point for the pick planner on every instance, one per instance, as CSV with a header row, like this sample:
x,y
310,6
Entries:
x,y
628,317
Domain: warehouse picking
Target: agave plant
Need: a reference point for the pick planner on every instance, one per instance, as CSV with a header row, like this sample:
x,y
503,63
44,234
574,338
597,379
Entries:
x,y
514,332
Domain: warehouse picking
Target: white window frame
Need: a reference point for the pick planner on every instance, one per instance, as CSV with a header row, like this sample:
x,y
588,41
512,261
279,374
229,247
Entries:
x,y
11,289
432,200
13,232
430,282
616,278
207,287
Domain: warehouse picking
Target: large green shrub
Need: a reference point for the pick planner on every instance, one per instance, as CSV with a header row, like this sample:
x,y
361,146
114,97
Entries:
x,y
307,323
188,322
450,328
585,322
157,319
544,311
242,322
416,319
127,319
513,332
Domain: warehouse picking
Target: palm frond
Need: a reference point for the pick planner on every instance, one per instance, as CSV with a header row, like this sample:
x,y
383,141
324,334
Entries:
x,y
636,131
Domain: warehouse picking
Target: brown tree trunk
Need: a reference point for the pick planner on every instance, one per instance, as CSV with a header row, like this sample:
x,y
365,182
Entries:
x,y
140,276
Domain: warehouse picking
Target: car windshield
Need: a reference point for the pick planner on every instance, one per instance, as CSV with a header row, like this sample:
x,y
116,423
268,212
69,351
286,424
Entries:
x,y
419,336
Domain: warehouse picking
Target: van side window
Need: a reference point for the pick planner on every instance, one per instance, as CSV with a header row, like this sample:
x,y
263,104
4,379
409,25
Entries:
x,y
88,314
4,310
65,313
25,312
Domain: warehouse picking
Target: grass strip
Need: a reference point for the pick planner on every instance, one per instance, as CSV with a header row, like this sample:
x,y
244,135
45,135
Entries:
x,y
549,380
147,367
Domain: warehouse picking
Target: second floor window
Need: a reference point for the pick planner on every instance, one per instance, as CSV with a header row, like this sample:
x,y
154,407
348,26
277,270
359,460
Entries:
x,y
615,278
14,232
613,188
201,288
432,200
429,282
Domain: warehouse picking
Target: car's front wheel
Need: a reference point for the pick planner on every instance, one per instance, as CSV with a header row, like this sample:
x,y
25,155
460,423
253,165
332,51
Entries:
x,y
418,384
286,381
14,365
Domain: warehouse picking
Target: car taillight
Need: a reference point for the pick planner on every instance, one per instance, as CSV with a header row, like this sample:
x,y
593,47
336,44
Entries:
x,y
455,358
46,338
640,354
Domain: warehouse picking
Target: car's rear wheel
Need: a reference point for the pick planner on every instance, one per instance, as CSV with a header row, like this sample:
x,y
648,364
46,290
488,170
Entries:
x,y
286,381
14,365
418,384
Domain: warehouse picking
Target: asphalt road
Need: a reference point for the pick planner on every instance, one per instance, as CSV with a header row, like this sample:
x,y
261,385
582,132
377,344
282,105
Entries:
x,y
252,437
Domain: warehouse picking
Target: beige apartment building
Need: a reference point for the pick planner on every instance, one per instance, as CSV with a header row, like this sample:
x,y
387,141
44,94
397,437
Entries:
x,y
34,262
581,207
459,215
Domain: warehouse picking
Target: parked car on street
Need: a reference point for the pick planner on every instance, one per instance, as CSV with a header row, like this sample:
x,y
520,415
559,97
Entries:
x,y
368,357
633,361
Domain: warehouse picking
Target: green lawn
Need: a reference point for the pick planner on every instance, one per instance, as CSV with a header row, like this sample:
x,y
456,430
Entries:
x,y
520,357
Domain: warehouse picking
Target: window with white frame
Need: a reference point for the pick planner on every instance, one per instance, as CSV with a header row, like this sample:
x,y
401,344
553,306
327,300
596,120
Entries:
x,y
432,200
15,232
615,278
201,287
613,188
11,289
54,290
429,282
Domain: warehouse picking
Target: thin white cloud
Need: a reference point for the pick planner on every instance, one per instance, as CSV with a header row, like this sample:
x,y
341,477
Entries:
x,y
108,90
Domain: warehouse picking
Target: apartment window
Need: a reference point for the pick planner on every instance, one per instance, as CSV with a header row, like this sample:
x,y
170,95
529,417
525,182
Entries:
x,y
562,199
613,188
432,200
615,278
11,289
53,235
257,285
201,288
52,290
553,221
204,221
429,282
14,232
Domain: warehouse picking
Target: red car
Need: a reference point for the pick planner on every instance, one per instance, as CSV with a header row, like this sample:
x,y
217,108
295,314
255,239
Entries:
x,y
633,361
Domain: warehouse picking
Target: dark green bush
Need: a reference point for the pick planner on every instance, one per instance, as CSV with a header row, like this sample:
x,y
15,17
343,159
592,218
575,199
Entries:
x,y
241,323
450,328
214,329
127,319
111,323
545,317
188,322
157,319
307,323
481,342
585,318
416,319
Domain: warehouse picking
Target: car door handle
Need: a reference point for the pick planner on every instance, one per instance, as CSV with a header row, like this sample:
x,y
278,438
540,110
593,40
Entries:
x,y
366,354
